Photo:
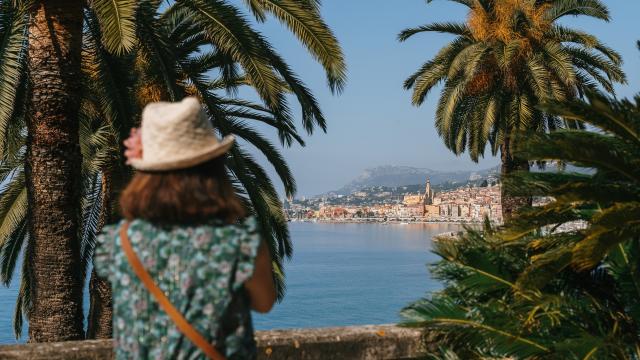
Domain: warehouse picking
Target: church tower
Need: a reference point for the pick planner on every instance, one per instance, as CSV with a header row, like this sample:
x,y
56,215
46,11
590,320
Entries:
x,y
428,194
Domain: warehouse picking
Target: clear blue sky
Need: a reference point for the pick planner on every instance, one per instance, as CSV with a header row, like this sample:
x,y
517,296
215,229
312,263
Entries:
x,y
373,122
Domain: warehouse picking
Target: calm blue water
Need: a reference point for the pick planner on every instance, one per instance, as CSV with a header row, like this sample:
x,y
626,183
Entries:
x,y
340,274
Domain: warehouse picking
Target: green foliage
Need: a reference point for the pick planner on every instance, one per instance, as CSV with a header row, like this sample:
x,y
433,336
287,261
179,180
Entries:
x,y
608,198
13,23
562,280
135,52
301,17
117,21
483,312
508,57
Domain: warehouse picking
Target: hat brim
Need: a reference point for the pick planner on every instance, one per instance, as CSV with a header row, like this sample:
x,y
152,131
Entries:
x,y
203,155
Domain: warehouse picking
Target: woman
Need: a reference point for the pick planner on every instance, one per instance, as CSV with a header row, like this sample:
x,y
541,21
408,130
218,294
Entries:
x,y
183,225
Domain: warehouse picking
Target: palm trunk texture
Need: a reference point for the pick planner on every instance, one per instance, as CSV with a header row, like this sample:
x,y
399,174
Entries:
x,y
100,319
53,170
510,203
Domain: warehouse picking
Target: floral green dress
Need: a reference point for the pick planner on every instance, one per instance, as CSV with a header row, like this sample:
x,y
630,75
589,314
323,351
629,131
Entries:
x,y
201,269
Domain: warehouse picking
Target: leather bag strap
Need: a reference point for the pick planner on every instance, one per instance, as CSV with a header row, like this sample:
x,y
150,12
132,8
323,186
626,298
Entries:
x,y
183,325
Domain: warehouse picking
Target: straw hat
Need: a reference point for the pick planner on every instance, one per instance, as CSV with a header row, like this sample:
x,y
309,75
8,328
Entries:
x,y
177,136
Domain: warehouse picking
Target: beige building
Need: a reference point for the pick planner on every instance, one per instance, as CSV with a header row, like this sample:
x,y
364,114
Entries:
x,y
431,211
412,200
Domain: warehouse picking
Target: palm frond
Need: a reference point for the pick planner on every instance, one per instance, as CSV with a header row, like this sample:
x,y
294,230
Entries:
x,y
287,131
117,20
447,28
439,314
91,216
23,300
230,32
13,213
265,205
591,8
13,25
305,22
600,112
270,152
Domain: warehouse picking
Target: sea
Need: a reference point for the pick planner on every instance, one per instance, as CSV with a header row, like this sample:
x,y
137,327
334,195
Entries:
x,y
340,274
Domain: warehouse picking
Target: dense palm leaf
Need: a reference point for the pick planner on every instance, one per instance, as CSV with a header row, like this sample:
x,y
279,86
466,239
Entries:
x,y
507,58
608,199
117,20
12,230
301,18
573,316
135,52
562,280
13,24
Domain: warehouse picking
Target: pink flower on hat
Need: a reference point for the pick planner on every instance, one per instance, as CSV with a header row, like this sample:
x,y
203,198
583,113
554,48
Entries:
x,y
134,145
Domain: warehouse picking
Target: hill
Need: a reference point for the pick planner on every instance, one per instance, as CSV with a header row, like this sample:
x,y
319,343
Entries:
x,y
394,176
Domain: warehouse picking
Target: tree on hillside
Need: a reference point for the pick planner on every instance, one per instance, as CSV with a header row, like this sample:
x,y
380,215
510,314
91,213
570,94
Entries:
x,y
505,59
125,54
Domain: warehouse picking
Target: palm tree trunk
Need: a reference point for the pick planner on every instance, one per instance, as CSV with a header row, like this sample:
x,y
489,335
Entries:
x,y
99,321
53,170
510,203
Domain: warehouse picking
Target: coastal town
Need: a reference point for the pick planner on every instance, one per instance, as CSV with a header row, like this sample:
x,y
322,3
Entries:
x,y
471,203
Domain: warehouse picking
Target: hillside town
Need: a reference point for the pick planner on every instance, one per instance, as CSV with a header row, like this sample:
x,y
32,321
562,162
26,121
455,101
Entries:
x,y
466,204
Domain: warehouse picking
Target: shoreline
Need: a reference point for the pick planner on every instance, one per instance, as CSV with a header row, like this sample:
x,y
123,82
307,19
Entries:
x,y
389,222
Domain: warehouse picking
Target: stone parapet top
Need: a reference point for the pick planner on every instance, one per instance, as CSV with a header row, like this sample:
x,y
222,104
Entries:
x,y
350,342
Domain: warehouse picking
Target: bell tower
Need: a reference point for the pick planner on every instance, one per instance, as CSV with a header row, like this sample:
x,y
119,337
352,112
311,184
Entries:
x,y
428,193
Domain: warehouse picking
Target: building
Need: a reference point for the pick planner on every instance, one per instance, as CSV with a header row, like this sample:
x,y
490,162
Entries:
x,y
412,199
469,204
431,211
420,201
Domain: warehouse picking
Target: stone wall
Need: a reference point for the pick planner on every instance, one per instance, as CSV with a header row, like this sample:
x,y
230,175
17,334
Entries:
x,y
351,342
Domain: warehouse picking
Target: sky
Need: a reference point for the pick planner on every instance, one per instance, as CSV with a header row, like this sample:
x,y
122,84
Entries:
x,y
372,122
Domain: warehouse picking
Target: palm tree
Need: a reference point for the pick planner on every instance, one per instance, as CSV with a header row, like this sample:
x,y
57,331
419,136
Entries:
x,y
561,280
41,51
136,52
52,167
507,57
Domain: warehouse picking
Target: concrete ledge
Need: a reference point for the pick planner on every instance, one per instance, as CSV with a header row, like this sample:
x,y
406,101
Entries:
x,y
351,342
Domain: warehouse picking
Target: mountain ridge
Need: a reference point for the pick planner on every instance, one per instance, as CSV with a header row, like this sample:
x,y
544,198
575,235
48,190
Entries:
x,y
393,176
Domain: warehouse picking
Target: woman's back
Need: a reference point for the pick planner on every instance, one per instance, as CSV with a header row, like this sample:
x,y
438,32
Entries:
x,y
201,269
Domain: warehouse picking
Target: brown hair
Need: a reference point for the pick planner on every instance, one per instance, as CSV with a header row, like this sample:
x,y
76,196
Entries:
x,y
195,195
